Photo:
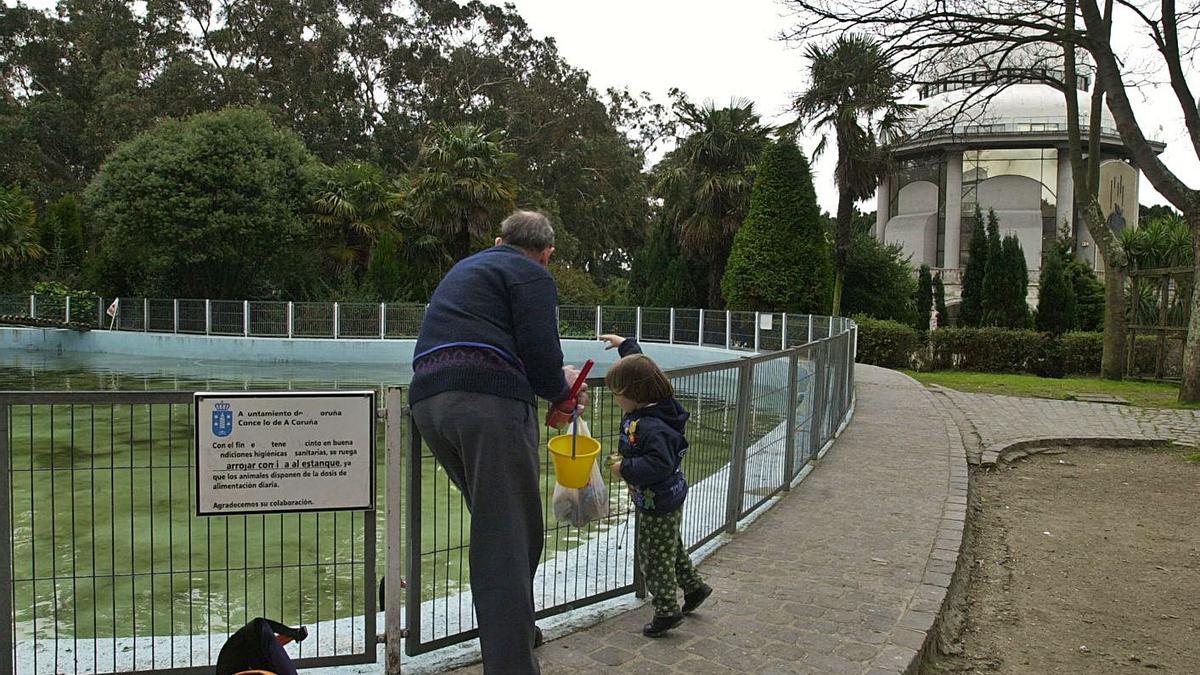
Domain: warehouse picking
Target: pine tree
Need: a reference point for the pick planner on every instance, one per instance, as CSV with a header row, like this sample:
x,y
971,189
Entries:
x,y
992,297
924,298
971,310
1056,297
780,259
939,301
1014,309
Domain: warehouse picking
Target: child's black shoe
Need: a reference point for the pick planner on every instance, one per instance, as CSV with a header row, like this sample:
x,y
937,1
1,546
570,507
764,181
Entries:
x,y
661,624
696,598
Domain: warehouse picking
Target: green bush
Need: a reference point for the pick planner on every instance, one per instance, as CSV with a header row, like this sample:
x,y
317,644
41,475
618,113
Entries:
x,y
989,350
889,344
1082,352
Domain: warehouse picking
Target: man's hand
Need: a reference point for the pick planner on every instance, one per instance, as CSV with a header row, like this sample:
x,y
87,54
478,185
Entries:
x,y
613,341
582,398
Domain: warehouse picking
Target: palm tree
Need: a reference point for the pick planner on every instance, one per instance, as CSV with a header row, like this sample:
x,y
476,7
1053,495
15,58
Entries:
x,y
18,238
462,185
357,205
853,92
705,182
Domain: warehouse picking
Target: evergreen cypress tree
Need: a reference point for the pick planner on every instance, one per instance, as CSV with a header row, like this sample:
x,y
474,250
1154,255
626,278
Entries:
x,y
780,259
1014,309
971,310
939,301
924,298
660,275
992,297
1056,297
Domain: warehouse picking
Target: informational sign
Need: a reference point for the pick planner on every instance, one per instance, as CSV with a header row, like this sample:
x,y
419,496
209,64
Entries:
x,y
282,452
766,321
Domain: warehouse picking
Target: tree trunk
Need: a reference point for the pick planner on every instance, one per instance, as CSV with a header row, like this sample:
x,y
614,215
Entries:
x,y
1112,363
841,248
1189,390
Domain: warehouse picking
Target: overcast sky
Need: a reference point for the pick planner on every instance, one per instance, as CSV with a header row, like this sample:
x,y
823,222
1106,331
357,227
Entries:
x,y
721,49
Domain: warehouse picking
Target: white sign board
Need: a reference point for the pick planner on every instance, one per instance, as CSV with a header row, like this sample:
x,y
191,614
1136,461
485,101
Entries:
x,y
766,321
276,452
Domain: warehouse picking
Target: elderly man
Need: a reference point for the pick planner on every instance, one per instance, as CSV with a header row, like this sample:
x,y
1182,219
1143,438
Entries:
x,y
488,348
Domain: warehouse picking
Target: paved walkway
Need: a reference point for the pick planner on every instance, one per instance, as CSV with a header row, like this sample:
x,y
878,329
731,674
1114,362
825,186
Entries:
x,y
999,421
844,575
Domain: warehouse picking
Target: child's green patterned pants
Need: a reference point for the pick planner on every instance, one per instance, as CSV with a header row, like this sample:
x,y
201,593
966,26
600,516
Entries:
x,y
664,560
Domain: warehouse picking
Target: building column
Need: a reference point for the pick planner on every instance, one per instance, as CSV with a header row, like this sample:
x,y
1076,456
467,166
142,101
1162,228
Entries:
x,y
882,207
954,165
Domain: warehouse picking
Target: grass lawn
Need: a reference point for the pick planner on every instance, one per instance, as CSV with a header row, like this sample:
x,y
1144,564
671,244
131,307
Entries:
x,y
1139,393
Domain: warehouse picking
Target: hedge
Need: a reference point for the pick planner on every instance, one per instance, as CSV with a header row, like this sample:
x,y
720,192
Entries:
x,y
889,344
996,350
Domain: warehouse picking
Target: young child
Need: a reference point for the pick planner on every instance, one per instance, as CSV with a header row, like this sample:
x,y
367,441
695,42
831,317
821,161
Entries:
x,y
651,451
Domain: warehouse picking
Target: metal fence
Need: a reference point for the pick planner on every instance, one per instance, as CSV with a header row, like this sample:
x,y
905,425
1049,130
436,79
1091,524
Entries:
x,y
756,422
743,331
109,570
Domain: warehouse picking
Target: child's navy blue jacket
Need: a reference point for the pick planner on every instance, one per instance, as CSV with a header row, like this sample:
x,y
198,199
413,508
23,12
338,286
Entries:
x,y
652,448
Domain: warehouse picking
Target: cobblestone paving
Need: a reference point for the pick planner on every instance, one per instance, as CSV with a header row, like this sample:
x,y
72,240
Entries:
x,y
844,575
1000,420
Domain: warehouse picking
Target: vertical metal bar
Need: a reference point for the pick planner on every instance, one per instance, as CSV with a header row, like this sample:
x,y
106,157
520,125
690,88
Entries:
x,y
671,331
816,419
175,316
700,340
145,315
810,330
207,316
830,327
783,336
100,312
637,325
382,320
599,322
7,624
737,451
412,600
789,457
245,318
67,311
32,306
337,320
757,330
728,329
397,417
290,319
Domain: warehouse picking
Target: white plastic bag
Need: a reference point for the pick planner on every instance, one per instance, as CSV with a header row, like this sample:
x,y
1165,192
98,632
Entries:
x,y
580,506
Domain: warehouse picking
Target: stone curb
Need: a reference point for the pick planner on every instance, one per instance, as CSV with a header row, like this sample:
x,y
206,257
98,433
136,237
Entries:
x,y
1009,451
914,635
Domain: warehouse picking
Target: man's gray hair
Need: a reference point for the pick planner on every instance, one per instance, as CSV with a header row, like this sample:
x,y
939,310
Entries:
x,y
530,230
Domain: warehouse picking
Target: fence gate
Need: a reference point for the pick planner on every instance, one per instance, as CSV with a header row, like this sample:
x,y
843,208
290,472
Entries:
x,y
107,568
1160,307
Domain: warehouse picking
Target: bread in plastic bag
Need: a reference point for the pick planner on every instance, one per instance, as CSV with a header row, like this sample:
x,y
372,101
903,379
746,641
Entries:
x,y
580,506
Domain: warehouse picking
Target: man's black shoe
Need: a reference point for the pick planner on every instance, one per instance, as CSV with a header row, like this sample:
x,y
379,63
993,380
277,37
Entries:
x,y
696,598
538,638
661,624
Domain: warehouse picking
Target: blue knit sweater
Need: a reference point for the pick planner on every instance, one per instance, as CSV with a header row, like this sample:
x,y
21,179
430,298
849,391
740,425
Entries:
x,y
491,328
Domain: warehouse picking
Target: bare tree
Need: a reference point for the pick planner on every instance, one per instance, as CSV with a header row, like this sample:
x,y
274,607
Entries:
x,y
925,34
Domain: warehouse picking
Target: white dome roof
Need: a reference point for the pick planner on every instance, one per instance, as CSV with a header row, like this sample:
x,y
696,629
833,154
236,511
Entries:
x,y
1032,108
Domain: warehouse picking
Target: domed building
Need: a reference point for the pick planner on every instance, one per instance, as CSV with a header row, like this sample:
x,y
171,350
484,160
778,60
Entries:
x,y
1000,147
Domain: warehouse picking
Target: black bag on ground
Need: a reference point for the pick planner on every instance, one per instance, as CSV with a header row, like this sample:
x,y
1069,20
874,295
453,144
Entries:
x,y
259,646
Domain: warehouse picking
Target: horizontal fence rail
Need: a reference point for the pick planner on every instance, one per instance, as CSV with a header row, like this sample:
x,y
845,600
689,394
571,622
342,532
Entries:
x,y
109,569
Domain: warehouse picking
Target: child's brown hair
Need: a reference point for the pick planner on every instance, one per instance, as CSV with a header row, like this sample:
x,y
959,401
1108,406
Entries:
x,y
638,378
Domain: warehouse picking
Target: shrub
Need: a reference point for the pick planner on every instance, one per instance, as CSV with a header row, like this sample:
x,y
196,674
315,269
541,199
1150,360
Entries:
x,y
1056,297
889,344
1048,359
879,281
924,300
971,310
1081,352
990,350
780,259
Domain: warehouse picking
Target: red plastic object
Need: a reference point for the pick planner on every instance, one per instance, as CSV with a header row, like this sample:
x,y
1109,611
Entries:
x,y
563,410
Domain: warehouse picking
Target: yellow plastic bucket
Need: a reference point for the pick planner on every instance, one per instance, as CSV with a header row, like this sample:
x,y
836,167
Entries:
x,y
573,472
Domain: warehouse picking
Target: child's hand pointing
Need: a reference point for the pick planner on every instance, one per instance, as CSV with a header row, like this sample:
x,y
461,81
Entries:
x,y
613,341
